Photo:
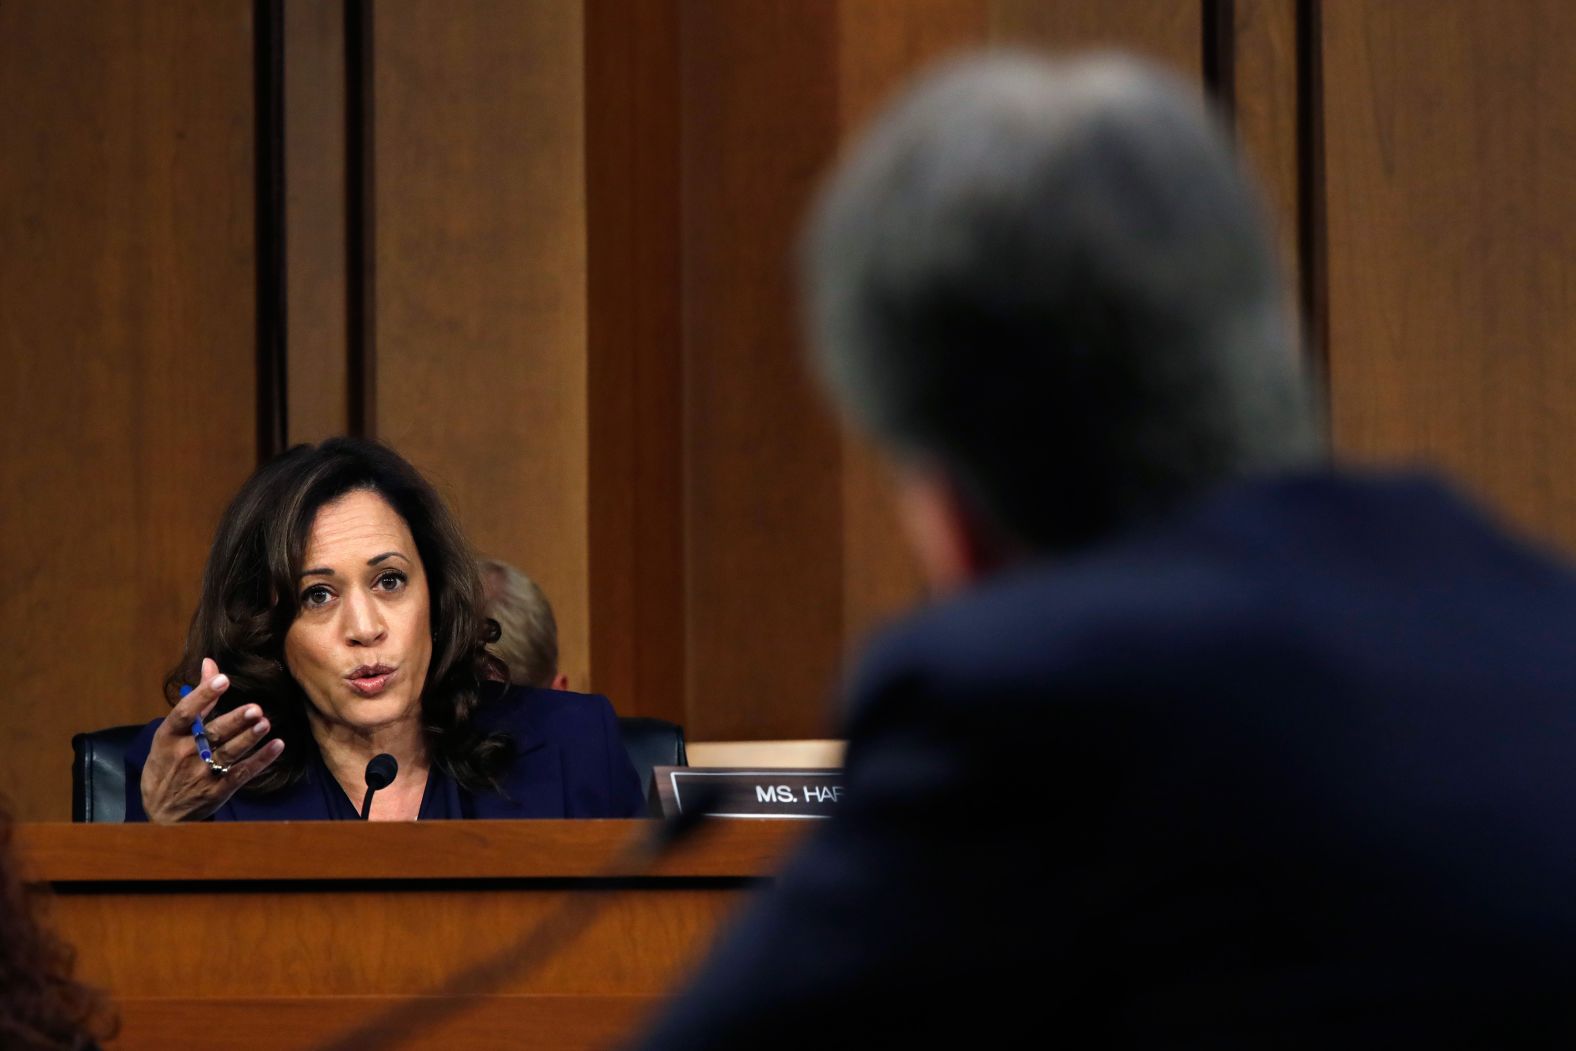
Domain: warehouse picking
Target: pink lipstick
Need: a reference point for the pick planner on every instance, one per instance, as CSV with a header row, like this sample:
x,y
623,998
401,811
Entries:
x,y
369,680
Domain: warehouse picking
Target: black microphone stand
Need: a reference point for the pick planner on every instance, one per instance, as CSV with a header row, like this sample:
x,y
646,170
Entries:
x,y
381,771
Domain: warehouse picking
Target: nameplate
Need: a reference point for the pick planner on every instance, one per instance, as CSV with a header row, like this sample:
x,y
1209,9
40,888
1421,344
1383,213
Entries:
x,y
747,792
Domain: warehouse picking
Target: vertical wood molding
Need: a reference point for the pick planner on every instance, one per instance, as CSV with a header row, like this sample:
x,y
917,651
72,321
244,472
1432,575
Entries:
x,y
1268,115
315,159
361,314
1218,59
268,101
763,489
634,356
1312,221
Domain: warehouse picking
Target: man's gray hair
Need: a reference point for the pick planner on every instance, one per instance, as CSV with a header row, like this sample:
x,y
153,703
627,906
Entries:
x,y
528,632
1054,282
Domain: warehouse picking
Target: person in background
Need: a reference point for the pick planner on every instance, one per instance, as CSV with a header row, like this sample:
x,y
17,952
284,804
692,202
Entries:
x,y
1203,743
527,643
42,1007
341,619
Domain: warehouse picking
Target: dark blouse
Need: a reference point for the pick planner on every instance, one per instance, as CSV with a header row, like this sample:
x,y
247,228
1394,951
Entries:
x,y
569,763
440,800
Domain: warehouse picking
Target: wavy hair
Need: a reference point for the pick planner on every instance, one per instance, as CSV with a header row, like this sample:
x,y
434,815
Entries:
x,y
42,1008
249,601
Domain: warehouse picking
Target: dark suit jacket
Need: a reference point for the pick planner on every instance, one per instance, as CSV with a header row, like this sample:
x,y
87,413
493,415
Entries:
x,y
1296,768
571,762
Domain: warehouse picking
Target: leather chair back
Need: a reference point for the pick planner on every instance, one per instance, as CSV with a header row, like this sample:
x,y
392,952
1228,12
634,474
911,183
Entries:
x,y
98,771
652,742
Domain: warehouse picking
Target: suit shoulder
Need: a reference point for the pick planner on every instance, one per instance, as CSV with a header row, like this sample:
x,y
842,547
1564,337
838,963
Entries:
x,y
1061,623
1262,590
1259,557
543,712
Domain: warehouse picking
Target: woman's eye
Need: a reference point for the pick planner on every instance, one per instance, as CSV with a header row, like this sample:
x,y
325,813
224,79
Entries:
x,y
316,596
390,581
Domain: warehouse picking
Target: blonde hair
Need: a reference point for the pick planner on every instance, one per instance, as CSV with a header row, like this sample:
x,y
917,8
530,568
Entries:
x,y
528,639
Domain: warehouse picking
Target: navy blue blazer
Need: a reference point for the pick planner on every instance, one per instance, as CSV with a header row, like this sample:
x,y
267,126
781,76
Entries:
x,y
570,762
1295,768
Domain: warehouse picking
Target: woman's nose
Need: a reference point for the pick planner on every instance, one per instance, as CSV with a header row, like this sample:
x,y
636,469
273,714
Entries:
x,y
364,624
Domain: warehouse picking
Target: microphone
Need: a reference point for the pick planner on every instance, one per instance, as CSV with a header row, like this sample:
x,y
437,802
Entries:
x,y
380,774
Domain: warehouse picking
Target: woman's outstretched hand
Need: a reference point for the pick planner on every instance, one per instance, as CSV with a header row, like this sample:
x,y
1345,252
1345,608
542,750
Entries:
x,y
176,784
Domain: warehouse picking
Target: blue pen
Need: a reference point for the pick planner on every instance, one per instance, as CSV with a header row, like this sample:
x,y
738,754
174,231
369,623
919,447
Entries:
x,y
204,749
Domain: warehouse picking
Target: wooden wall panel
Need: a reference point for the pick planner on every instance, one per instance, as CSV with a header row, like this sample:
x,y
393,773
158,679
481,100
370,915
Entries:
x,y
1170,31
1450,153
763,492
792,548
315,228
127,334
405,941
585,322
882,45
634,355
480,274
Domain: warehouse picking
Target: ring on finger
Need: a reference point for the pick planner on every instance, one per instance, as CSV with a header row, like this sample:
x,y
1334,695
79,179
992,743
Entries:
x,y
243,740
205,750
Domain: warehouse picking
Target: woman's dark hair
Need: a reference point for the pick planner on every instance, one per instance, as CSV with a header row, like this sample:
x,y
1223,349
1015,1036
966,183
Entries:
x,y
42,1008
249,600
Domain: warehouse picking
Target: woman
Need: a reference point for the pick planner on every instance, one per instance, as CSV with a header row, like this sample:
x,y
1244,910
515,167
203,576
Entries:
x,y
339,620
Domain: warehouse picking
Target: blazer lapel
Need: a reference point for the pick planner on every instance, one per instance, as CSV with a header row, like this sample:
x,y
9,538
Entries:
x,y
535,786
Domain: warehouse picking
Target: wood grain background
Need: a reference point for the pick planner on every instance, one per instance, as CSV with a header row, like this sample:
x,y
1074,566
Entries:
x,y
127,354
1450,154
573,300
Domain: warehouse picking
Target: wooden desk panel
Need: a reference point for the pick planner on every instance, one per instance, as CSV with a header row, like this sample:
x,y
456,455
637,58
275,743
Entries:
x,y
310,851
367,940
483,1023
290,932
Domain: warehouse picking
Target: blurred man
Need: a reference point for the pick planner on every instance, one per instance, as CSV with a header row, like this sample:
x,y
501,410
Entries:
x,y
1205,745
528,639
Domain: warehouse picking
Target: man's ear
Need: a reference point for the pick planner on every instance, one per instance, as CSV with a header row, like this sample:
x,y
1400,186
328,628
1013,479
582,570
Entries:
x,y
560,681
954,546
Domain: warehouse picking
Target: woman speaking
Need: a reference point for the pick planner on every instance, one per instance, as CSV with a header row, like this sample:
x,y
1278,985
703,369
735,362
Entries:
x,y
340,623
